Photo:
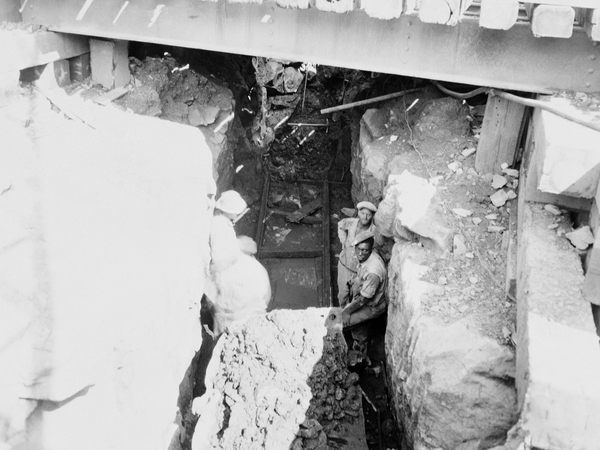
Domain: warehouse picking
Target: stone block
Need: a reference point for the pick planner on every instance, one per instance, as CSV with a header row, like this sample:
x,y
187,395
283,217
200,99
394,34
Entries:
x,y
383,9
451,386
106,238
337,6
498,14
110,63
569,156
80,67
412,203
557,352
531,172
552,20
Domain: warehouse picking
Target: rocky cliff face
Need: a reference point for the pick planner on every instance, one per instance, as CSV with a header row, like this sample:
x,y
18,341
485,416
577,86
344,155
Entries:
x,y
102,276
452,386
280,381
450,358
166,90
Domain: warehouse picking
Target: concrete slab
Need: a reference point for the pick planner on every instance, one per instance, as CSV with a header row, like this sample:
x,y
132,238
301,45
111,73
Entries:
x,y
558,361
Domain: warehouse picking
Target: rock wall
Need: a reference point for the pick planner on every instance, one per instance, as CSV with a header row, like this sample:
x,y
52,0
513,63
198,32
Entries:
x,y
104,234
452,387
383,145
451,365
166,90
280,381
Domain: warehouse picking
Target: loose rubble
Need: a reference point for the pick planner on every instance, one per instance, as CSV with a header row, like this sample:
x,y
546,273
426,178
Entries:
x,y
281,381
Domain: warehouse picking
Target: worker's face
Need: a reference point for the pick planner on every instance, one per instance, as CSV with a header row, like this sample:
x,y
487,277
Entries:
x,y
363,251
365,216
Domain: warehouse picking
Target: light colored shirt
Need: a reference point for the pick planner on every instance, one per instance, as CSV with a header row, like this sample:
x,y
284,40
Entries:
x,y
224,247
371,281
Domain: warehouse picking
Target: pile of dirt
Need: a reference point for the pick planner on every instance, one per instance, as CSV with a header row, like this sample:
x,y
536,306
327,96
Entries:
x,y
281,381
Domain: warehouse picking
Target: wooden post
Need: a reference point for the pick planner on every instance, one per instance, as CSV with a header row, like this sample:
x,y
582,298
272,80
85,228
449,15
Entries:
x,y
110,63
498,14
499,134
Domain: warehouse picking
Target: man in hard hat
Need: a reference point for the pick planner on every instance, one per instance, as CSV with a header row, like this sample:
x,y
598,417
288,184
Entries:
x,y
347,231
367,295
239,285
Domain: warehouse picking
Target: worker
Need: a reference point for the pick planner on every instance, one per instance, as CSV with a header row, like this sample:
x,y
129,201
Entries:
x,y
238,285
347,231
367,296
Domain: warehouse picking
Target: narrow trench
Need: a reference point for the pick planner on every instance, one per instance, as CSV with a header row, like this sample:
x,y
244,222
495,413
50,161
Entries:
x,y
306,157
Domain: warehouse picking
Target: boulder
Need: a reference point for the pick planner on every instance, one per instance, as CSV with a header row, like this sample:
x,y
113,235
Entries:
x,y
412,203
100,284
382,144
452,387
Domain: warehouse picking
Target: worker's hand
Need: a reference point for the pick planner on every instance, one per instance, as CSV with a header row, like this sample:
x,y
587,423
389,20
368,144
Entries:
x,y
345,317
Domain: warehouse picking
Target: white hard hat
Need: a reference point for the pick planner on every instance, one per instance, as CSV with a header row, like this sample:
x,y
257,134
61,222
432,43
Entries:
x,y
231,202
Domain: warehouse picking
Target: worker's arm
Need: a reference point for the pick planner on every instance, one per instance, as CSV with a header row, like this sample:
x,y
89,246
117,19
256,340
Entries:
x,y
357,302
343,230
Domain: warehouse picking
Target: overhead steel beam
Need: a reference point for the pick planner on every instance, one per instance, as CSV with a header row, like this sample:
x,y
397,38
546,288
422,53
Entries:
x,y
465,53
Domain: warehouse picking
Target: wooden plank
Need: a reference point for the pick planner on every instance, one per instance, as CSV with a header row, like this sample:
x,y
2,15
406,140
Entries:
x,y
311,207
21,50
499,134
326,247
273,254
110,96
551,20
498,14
589,19
445,12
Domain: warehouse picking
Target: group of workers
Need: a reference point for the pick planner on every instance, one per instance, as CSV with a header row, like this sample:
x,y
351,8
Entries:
x,y
238,286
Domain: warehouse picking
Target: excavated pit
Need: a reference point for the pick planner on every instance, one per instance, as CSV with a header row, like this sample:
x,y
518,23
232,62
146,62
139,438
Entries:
x,y
281,381
281,153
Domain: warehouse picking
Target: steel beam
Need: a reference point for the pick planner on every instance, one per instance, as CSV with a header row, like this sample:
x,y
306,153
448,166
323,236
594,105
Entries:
x,y
465,53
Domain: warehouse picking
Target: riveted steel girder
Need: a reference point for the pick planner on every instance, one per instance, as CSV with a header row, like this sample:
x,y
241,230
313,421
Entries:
x,y
465,53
